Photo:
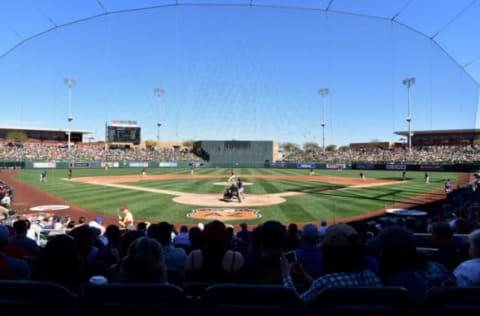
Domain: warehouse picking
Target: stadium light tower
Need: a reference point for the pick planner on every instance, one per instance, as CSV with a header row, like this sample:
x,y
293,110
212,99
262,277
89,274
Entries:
x,y
409,82
158,92
323,92
70,82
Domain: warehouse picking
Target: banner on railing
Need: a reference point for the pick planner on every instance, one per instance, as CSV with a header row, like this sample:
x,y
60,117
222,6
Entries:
x,y
396,167
365,166
431,167
79,165
168,164
305,165
279,164
109,164
336,166
42,165
136,164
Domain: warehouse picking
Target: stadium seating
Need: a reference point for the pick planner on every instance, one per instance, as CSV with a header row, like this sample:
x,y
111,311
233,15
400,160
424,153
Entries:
x,y
249,299
359,301
33,297
136,298
453,301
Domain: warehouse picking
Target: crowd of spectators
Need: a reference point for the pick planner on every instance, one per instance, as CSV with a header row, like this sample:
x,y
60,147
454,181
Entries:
x,y
91,152
422,155
98,152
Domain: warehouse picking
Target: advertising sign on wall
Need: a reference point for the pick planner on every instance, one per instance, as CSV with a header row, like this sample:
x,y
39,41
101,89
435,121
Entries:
x,y
44,165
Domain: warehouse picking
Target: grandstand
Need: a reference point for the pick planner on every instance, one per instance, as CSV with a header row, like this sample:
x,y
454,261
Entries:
x,y
44,134
450,137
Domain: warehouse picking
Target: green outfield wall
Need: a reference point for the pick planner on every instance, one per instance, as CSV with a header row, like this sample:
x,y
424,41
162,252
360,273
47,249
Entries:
x,y
235,153
9,164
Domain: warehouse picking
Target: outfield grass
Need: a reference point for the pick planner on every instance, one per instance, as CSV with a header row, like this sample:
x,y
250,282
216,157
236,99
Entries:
x,y
324,203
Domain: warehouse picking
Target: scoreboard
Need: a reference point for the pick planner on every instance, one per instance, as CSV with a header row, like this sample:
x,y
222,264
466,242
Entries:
x,y
123,134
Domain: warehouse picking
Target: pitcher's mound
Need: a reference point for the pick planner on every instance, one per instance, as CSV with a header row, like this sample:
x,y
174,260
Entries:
x,y
215,200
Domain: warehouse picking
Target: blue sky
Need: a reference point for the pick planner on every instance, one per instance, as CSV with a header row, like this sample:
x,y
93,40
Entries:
x,y
240,72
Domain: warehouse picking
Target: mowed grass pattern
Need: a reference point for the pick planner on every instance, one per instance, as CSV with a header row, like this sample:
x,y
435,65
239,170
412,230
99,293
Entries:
x,y
323,200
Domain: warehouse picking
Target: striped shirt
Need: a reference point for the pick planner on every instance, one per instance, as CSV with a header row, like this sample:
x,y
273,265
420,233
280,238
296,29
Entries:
x,y
340,279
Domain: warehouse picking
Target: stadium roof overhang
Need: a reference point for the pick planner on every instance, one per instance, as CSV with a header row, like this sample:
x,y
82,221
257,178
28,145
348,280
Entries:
x,y
13,128
438,132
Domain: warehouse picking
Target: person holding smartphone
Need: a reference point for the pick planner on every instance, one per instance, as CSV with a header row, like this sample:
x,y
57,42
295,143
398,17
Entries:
x,y
344,264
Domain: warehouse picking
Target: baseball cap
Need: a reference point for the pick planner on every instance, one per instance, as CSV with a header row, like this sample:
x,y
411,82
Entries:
x,y
124,208
98,219
342,235
310,232
4,233
394,237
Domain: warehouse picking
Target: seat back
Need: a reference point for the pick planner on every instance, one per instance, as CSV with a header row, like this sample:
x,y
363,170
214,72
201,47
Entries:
x,y
135,298
362,301
453,301
241,299
196,289
25,297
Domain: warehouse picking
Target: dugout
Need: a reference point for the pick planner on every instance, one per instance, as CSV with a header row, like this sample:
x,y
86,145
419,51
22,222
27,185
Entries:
x,y
236,153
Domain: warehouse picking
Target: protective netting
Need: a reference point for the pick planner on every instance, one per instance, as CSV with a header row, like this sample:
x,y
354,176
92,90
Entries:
x,y
245,70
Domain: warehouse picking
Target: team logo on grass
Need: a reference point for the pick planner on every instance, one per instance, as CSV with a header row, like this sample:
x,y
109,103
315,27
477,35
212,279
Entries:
x,y
224,214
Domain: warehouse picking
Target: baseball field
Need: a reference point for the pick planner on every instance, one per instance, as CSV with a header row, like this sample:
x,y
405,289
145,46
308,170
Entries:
x,y
286,195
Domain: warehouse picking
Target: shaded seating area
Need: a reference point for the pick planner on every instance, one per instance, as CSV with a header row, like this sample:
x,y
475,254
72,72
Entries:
x,y
32,297
242,299
385,300
22,297
453,301
132,298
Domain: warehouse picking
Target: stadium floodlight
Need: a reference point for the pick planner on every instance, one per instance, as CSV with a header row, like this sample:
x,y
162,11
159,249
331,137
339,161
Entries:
x,y
323,92
70,82
158,92
409,82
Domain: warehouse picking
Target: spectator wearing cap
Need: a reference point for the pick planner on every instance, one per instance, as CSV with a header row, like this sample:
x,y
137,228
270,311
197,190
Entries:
x,y
309,254
11,268
98,223
402,265
344,264
468,272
